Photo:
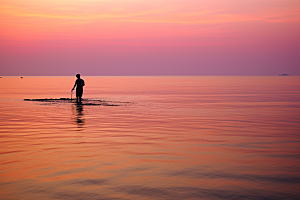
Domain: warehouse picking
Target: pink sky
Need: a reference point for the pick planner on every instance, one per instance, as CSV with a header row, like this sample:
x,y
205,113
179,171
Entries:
x,y
149,37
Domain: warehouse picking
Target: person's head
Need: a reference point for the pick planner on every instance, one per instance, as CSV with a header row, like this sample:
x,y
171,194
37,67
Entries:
x,y
78,75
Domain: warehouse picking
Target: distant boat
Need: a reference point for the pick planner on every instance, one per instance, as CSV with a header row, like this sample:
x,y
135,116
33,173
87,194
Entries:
x,y
283,74
21,77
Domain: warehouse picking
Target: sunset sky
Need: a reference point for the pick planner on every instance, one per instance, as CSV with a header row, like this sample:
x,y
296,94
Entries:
x,y
149,37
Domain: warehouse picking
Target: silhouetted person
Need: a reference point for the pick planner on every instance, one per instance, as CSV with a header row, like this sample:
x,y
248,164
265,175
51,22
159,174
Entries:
x,y
79,83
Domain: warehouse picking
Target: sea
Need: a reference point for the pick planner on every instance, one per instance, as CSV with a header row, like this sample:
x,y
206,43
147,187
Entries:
x,y
150,137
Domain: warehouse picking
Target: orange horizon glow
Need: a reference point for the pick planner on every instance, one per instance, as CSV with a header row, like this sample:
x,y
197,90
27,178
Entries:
x,y
35,27
100,19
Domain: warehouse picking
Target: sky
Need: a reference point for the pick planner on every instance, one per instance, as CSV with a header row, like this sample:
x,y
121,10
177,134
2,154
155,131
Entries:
x,y
149,37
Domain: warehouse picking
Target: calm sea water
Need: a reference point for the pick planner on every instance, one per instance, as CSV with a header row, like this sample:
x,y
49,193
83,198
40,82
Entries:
x,y
177,138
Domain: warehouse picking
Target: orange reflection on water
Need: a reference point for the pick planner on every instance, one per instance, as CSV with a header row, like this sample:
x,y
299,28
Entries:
x,y
178,138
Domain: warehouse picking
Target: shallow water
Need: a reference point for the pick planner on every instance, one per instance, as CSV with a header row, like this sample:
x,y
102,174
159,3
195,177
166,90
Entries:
x,y
175,138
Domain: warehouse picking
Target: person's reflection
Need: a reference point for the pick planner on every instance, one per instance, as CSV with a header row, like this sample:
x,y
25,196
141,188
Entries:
x,y
78,113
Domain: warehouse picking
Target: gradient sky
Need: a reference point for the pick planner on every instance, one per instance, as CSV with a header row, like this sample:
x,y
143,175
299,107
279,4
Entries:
x,y
149,37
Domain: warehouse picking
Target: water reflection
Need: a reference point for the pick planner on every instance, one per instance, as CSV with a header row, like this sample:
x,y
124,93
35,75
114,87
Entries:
x,y
184,138
77,110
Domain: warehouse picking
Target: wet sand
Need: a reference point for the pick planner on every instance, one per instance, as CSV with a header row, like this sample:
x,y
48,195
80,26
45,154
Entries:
x,y
84,101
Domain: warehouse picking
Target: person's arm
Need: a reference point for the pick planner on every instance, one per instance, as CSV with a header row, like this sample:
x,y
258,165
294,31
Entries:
x,y
74,85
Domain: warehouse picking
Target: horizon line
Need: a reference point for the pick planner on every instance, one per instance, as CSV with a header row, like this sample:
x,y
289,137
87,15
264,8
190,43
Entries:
x,y
138,75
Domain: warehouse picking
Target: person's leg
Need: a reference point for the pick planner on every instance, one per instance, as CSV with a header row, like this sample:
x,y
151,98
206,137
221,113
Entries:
x,y
80,95
77,95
